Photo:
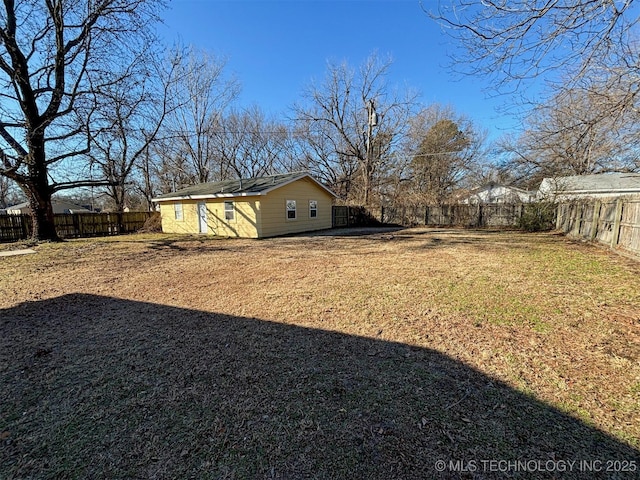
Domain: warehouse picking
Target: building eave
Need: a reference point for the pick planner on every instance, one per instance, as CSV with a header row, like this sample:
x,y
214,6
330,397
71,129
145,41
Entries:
x,y
207,196
625,191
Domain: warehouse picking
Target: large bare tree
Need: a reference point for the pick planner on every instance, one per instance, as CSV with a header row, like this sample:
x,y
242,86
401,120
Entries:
x,y
582,59
574,133
248,144
203,91
54,56
349,123
130,121
522,39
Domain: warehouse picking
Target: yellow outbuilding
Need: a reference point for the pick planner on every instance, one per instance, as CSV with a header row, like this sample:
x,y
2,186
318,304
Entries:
x,y
249,208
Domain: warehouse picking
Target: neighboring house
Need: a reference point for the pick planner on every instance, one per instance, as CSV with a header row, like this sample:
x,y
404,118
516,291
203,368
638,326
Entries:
x,y
59,206
602,185
249,208
495,193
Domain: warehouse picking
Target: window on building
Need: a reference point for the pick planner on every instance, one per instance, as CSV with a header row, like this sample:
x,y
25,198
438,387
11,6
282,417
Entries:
x,y
313,208
291,209
177,211
229,211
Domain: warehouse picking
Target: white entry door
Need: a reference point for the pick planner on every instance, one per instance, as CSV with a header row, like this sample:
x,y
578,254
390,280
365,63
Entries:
x,y
202,217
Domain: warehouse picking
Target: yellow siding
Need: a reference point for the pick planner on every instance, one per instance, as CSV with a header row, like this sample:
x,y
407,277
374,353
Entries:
x,y
243,225
274,212
245,218
258,216
189,222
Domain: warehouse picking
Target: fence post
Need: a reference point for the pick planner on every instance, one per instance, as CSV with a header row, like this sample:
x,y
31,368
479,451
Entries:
x,y
595,221
560,216
616,223
77,227
24,220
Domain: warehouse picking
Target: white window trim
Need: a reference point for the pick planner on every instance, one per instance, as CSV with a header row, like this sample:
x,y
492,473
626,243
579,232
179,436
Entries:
x,y
295,210
313,217
178,212
232,211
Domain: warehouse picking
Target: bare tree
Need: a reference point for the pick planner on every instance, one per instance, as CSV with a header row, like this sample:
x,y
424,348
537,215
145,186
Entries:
x,y
247,144
54,55
146,186
167,170
324,155
204,93
522,39
4,192
335,122
445,150
585,118
8,194
130,121
574,133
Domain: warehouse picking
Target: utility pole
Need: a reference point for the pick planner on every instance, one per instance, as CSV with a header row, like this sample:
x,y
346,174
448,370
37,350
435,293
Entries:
x,y
372,121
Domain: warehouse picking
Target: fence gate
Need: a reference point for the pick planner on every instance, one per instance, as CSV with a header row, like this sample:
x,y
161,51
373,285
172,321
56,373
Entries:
x,y
340,217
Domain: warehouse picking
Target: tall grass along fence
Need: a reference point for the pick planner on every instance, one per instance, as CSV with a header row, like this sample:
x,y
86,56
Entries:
x,y
480,215
612,222
69,225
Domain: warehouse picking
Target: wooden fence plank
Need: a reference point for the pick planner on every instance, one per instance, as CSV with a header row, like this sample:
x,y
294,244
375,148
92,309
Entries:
x,y
479,215
612,222
14,228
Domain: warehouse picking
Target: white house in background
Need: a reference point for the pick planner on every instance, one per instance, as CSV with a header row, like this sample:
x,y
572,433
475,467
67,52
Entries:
x,y
59,206
496,193
601,185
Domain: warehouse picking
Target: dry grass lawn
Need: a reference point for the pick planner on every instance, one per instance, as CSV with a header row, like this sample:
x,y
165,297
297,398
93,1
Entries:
x,y
368,356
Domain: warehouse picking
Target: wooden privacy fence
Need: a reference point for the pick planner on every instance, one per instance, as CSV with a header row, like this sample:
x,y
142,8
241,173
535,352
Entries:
x,y
612,222
480,215
68,225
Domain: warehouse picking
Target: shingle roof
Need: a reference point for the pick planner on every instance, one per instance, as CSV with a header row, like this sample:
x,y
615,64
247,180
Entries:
x,y
58,206
235,188
597,183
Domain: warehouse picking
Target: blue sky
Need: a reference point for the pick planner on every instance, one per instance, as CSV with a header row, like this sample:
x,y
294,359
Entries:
x,y
277,47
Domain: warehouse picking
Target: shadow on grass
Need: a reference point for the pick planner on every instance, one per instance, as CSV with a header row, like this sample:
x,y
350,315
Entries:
x,y
346,232
482,239
188,243
98,387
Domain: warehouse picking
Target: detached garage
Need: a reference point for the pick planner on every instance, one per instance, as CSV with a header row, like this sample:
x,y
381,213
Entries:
x,y
249,208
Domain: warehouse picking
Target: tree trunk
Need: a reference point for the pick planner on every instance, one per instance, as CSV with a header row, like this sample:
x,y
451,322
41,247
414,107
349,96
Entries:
x,y
44,227
39,192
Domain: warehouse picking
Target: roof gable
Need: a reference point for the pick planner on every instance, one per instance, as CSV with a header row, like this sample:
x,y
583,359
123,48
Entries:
x,y
239,187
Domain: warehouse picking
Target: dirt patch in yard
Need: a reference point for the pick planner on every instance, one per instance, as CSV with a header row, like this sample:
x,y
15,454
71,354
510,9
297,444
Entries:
x,y
366,356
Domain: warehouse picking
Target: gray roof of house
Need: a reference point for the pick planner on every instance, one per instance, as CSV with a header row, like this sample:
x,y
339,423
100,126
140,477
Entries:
x,y
492,185
55,203
601,182
235,188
